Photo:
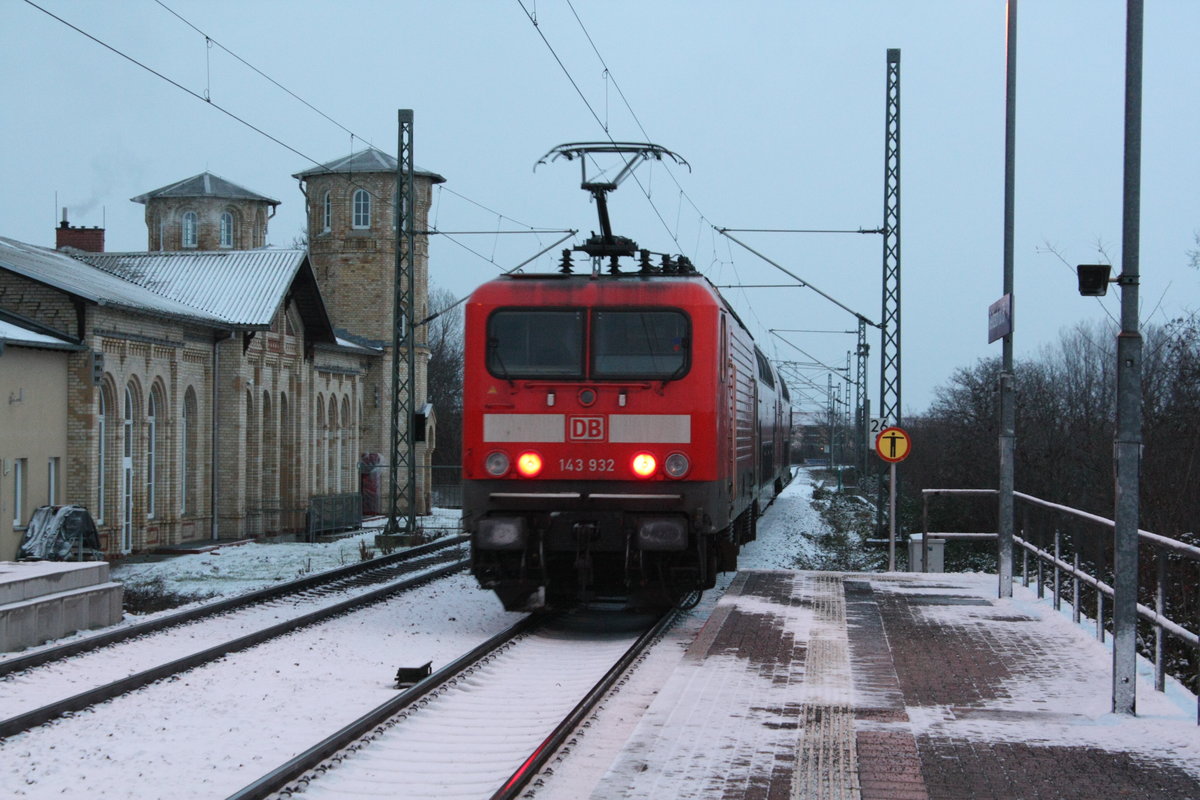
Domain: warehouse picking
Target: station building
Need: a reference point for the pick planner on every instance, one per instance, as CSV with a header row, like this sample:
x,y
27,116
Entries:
x,y
209,388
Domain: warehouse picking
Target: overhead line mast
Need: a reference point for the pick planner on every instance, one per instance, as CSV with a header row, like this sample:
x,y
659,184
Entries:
x,y
403,395
889,357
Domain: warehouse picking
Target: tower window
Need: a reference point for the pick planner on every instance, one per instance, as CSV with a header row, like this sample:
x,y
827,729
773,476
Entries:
x,y
326,213
227,229
189,229
362,209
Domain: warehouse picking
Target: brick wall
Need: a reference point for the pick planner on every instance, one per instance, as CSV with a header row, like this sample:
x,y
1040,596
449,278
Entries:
x,y
164,222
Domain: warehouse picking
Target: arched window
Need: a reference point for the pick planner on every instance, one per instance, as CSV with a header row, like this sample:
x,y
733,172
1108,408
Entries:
x,y
189,451
102,452
227,229
348,445
362,209
127,479
151,451
326,213
319,449
189,229
333,441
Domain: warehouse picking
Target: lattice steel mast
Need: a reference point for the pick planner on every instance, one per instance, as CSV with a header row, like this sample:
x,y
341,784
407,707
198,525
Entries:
x,y
403,443
889,357
889,371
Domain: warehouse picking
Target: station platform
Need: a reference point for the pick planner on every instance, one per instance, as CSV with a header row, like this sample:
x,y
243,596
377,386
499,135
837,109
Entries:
x,y
899,686
44,600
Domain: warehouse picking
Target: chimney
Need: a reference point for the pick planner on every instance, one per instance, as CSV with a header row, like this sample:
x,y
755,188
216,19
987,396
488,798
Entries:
x,y
88,239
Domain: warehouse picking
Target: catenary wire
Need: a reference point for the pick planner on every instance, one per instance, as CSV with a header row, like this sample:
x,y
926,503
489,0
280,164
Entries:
x,y
208,100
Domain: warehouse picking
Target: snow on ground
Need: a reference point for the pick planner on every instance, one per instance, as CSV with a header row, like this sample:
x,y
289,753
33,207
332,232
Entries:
x,y
215,729
235,569
787,533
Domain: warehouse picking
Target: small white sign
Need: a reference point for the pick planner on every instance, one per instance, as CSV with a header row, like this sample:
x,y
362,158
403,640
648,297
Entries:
x,y
876,427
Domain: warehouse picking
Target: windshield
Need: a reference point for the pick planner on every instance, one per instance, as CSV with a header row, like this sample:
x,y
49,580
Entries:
x,y
639,344
527,343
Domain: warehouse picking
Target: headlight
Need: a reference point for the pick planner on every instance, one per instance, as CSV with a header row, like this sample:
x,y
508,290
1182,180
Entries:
x,y
501,533
529,464
662,533
643,465
676,465
496,463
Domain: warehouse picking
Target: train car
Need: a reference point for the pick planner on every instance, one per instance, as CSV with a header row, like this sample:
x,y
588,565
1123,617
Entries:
x,y
621,433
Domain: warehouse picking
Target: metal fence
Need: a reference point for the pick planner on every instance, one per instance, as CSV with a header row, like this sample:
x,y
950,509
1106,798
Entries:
x,y
333,512
446,483
1056,537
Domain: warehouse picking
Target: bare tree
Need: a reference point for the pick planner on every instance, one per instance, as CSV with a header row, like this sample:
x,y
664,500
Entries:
x,y
445,378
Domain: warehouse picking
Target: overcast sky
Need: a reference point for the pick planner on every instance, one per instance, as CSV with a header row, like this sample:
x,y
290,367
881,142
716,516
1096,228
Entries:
x,y
777,106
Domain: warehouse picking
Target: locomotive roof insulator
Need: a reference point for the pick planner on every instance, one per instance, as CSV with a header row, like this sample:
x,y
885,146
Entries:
x,y
565,267
644,257
614,268
668,267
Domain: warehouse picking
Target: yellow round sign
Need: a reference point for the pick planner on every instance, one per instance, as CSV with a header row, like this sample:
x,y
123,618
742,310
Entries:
x,y
893,444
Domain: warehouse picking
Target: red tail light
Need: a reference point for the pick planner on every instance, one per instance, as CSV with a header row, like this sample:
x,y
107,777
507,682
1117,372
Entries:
x,y
529,464
644,465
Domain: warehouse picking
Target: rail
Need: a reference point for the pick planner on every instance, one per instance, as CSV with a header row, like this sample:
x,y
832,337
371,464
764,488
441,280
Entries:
x,y
1166,551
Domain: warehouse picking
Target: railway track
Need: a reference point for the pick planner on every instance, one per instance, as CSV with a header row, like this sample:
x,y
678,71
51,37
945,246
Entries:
x,y
115,664
482,726
362,573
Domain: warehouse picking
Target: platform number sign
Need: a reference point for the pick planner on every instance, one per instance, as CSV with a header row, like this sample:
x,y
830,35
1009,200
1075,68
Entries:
x,y
893,445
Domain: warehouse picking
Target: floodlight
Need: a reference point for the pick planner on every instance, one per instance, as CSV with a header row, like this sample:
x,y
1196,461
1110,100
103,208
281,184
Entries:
x,y
1093,279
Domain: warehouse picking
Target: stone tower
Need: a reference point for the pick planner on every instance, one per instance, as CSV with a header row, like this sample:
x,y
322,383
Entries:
x,y
206,212
351,244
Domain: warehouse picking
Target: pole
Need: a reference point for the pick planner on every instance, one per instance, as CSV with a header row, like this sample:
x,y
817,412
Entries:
x,y
892,517
1008,418
403,394
1129,387
889,332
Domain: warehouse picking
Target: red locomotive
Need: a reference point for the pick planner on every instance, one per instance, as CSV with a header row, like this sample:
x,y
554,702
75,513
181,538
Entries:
x,y
621,433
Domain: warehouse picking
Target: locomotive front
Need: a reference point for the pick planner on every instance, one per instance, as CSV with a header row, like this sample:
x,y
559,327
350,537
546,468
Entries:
x,y
592,459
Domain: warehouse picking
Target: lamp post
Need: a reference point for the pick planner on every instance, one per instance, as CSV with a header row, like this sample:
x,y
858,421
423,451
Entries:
x,y
1093,281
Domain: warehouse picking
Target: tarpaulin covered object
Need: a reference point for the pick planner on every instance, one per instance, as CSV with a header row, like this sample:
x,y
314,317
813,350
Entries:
x,y
58,533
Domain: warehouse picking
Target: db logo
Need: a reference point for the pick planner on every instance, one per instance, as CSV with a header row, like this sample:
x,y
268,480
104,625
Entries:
x,y
585,429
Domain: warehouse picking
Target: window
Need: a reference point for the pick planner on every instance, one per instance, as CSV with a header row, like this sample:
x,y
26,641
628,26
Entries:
x,y
151,452
362,209
52,481
187,450
189,229
227,229
639,344
20,480
127,477
101,457
326,213
764,369
524,343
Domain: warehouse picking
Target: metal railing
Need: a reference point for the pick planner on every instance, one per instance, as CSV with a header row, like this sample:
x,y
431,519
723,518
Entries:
x,y
1063,519
446,485
333,512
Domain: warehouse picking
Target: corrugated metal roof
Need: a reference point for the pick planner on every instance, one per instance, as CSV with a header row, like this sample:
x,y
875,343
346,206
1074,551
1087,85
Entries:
x,y
369,160
78,278
204,185
241,287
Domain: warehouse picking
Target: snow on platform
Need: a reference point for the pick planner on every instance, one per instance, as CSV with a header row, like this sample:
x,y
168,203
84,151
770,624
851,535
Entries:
x,y
896,686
